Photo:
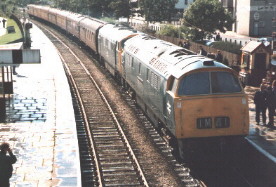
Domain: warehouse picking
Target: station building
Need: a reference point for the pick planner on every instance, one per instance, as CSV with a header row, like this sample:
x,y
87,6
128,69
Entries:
x,y
253,17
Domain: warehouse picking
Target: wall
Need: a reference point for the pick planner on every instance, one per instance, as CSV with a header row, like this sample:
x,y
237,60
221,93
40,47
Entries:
x,y
243,17
254,17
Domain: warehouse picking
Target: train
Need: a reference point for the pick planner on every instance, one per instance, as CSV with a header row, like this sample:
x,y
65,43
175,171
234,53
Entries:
x,y
188,96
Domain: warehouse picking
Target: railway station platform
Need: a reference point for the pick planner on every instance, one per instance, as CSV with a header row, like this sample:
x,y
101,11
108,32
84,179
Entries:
x,y
40,123
263,138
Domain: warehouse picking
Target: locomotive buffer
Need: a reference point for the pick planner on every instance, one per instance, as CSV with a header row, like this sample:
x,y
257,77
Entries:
x,y
8,58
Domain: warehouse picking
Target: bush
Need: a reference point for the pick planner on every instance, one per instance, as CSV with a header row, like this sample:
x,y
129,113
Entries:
x,y
227,46
109,20
169,30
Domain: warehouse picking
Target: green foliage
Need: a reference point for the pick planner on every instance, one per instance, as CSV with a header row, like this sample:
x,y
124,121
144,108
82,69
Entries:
x,y
9,38
169,30
207,16
99,8
227,46
96,8
108,20
121,8
157,10
192,34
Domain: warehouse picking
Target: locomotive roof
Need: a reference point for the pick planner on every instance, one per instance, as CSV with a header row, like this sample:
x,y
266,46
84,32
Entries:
x,y
167,58
116,32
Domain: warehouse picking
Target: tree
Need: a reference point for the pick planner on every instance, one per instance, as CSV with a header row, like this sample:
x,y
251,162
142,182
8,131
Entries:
x,y
121,8
157,10
207,16
7,7
191,33
169,30
99,8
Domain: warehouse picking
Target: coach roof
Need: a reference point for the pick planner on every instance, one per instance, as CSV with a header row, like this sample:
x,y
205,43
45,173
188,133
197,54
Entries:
x,y
116,32
90,22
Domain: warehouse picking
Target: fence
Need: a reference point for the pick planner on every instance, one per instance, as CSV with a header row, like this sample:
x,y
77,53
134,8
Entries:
x,y
230,59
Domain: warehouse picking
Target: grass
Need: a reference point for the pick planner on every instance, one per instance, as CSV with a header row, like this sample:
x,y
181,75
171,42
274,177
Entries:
x,y
11,37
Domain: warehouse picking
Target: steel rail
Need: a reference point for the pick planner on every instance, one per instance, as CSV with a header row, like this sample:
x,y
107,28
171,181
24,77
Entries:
x,y
145,183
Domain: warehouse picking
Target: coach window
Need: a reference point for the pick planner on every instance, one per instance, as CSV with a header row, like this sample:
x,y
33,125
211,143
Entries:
x,y
139,69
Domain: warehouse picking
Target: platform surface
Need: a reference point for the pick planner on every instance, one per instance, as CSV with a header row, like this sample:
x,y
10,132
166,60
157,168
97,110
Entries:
x,y
40,123
261,136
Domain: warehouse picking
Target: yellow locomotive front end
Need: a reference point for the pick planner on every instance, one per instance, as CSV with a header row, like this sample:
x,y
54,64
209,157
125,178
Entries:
x,y
211,116
210,103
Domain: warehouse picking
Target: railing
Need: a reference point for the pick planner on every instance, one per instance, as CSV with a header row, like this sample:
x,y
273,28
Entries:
x,y
229,59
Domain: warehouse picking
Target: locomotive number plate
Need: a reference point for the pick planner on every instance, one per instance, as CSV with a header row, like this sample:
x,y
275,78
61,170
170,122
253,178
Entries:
x,y
204,123
222,122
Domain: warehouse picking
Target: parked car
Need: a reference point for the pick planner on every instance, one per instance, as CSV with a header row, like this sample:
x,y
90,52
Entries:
x,y
265,40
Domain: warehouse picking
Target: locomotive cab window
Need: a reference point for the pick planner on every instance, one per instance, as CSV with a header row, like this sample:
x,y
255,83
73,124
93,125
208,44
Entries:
x,y
204,83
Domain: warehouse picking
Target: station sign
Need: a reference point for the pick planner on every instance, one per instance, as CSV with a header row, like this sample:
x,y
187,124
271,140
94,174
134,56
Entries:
x,y
14,57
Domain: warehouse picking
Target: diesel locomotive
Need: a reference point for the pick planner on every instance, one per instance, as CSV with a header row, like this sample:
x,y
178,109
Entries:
x,y
191,96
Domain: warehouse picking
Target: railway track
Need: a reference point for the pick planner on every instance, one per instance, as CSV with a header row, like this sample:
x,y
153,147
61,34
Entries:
x,y
114,160
107,158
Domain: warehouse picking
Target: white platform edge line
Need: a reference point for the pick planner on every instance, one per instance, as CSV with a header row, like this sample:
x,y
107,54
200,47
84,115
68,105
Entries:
x,y
267,154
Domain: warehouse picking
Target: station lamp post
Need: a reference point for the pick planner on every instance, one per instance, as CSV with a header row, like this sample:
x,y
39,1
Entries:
x,y
273,46
273,42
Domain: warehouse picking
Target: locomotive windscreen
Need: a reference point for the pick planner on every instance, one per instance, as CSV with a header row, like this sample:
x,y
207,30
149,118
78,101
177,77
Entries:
x,y
202,83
